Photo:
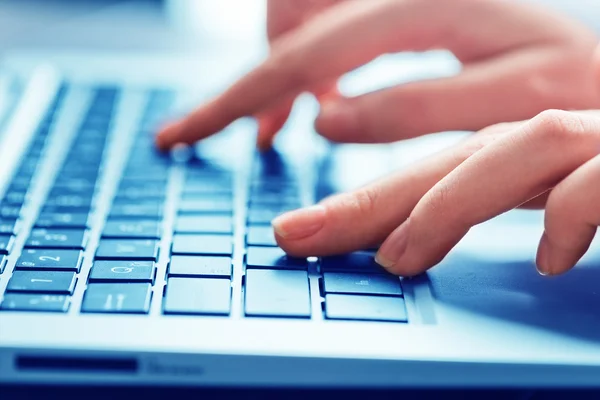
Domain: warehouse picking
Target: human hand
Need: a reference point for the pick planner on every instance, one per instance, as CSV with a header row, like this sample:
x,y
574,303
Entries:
x,y
518,61
420,214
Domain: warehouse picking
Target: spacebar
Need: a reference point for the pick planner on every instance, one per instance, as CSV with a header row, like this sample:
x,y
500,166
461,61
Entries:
x,y
277,293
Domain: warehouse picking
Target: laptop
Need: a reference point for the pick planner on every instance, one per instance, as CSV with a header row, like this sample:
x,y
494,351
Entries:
x,y
121,265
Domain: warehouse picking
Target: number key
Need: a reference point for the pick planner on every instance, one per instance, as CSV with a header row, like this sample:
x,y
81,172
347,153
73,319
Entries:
x,y
57,238
50,259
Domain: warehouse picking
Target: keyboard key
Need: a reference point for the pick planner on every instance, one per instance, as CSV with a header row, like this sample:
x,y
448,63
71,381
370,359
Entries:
x,y
362,283
202,244
2,262
277,293
200,266
76,185
370,308
122,271
69,201
15,197
132,229
204,224
264,216
206,205
198,296
206,187
35,302
125,249
354,262
62,220
9,227
130,298
10,212
42,282
138,190
273,258
261,236
6,243
57,238
136,210
50,259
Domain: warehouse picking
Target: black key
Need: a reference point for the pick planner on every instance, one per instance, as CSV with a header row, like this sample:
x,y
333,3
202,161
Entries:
x,y
62,220
69,260
9,226
127,249
136,210
204,224
35,302
42,282
130,298
10,212
122,271
57,238
361,283
6,243
370,308
198,296
202,244
139,190
273,258
207,187
277,293
134,229
200,266
71,201
76,185
360,261
206,205
261,236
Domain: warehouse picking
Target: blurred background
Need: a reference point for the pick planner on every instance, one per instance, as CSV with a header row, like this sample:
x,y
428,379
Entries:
x,y
158,25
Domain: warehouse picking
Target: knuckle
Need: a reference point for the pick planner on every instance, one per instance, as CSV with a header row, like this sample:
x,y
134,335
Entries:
x,y
557,126
365,201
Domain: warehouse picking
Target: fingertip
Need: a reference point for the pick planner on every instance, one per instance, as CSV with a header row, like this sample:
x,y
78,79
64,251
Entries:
x,y
299,224
165,138
337,121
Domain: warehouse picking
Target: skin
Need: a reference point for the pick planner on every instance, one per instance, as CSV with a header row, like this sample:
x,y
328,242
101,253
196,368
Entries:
x,y
519,60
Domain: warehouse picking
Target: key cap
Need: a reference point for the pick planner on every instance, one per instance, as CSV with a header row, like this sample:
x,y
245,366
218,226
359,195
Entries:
x,y
136,210
69,201
35,302
69,260
10,212
202,244
2,262
204,224
198,296
265,216
370,308
42,282
277,293
15,197
273,258
140,190
261,236
123,271
353,262
121,228
206,205
200,266
207,188
126,298
57,238
62,220
361,283
9,227
127,249
75,185
6,243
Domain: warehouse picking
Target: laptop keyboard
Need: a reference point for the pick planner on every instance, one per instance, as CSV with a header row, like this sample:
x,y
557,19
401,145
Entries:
x,y
159,237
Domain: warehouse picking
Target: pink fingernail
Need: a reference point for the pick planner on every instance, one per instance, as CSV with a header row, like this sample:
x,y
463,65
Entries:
x,y
301,223
394,247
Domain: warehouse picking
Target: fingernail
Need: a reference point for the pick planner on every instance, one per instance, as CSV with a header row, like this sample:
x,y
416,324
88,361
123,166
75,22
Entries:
x,y
162,138
393,247
301,223
542,262
336,115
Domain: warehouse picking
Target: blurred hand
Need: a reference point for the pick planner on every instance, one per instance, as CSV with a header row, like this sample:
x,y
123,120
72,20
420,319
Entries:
x,y
420,214
518,60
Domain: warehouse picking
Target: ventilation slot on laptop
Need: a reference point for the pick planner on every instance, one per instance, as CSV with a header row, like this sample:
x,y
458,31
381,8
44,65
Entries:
x,y
76,364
